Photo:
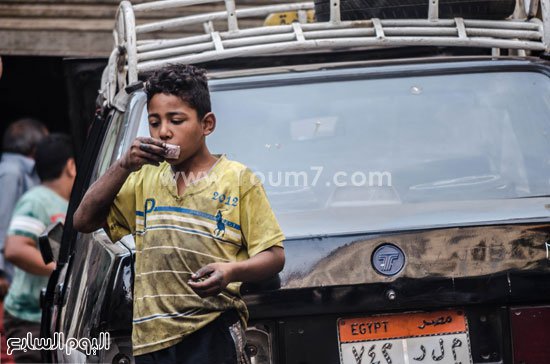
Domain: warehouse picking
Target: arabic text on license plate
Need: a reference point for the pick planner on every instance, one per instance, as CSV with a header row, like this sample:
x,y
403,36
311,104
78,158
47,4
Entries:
x,y
411,338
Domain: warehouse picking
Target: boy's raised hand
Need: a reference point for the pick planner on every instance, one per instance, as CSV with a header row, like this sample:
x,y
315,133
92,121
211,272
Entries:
x,y
144,150
211,279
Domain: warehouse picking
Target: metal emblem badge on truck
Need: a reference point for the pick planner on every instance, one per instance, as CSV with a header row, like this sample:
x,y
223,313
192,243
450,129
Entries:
x,y
388,259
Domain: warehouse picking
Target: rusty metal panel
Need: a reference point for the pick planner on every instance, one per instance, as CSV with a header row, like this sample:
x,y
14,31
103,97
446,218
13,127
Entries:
x,y
444,253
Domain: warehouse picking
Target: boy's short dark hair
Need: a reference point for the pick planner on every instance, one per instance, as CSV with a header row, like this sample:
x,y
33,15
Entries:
x,y
185,81
23,135
52,154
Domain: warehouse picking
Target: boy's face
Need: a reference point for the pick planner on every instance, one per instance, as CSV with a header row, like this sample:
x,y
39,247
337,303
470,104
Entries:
x,y
173,121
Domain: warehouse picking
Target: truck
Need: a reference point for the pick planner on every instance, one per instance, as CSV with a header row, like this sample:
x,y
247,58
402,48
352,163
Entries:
x,y
405,149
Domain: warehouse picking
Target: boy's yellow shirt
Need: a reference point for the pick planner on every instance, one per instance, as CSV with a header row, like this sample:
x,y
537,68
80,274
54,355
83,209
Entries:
x,y
223,217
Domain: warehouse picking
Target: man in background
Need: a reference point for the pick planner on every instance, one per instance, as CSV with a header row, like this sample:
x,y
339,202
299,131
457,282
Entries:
x,y
39,207
17,175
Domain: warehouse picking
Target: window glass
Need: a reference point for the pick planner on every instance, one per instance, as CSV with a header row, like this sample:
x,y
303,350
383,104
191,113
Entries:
x,y
357,155
108,145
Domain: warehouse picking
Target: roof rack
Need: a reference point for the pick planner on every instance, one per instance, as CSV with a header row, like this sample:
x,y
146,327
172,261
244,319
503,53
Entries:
x,y
134,53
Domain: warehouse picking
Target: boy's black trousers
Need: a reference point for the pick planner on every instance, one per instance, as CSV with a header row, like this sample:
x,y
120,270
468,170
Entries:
x,y
220,342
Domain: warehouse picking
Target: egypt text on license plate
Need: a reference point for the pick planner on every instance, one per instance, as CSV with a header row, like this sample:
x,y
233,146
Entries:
x,y
411,338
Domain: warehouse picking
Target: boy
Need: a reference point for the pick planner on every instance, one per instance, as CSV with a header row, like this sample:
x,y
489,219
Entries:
x,y
201,223
39,207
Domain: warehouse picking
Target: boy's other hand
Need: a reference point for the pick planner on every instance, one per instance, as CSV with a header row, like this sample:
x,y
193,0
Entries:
x,y
144,150
211,279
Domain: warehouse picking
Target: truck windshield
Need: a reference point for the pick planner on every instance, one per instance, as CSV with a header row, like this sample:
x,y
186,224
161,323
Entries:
x,y
368,155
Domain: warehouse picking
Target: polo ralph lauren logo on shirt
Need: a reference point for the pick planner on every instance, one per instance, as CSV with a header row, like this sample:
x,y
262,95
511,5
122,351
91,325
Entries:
x,y
220,225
